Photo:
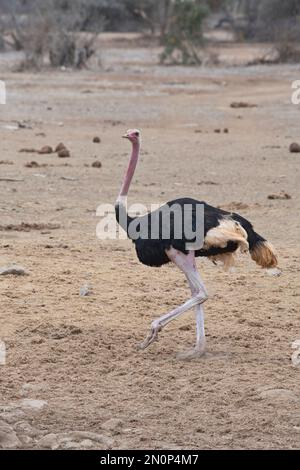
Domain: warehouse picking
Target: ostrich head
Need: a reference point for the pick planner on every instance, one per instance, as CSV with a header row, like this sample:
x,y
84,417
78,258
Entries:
x,y
133,135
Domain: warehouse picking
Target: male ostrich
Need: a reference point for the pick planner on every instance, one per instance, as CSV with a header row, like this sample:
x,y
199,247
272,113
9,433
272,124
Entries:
x,y
224,234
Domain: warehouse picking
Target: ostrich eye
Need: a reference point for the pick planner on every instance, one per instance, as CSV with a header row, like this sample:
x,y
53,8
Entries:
x,y
137,134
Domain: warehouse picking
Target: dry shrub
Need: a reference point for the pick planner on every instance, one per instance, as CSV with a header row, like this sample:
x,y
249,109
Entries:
x,y
47,35
288,52
184,34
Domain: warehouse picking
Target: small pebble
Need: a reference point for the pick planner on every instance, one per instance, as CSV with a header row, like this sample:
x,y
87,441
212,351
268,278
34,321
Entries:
x,y
64,153
13,270
46,150
97,164
295,147
60,147
282,195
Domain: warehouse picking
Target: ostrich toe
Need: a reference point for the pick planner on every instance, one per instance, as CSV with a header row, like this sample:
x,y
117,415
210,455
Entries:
x,y
190,354
151,337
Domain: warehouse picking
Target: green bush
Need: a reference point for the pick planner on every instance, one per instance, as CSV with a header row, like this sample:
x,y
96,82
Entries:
x,y
184,34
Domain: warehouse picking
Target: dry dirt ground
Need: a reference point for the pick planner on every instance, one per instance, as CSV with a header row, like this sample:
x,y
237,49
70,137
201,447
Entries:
x,y
73,376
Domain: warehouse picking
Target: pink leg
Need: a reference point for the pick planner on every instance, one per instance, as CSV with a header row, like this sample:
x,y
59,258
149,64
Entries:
x,y
186,263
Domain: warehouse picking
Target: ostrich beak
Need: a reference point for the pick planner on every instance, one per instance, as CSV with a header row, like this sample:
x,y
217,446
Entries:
x,y
125,136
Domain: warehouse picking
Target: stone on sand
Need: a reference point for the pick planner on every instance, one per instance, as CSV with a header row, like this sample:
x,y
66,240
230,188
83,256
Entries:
x,y
35,405
75,440
278,394
8,437
13,270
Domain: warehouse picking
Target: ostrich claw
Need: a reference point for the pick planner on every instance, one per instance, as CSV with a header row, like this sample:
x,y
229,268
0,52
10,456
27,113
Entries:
x,y
153,336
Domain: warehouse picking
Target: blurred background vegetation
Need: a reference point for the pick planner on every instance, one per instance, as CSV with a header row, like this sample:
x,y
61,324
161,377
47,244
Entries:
x,y
47,31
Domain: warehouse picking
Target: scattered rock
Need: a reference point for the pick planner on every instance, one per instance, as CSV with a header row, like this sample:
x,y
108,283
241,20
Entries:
x,y
96,140
295,147
13,270
24,428
97,164
242,104
282,195
8,437
6,162
36,405
278,394
50,441
34,164
75,440
11,414
60,147
46,150
218,131
100,438
64,153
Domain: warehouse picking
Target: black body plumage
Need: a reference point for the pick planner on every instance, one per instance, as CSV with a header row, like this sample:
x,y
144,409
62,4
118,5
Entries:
x,y
152,252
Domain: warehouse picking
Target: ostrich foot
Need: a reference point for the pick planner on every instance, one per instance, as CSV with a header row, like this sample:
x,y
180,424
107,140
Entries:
x,y
156,327
193,353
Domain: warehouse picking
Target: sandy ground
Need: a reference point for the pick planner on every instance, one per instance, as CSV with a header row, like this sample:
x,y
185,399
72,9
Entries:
x,y
72,364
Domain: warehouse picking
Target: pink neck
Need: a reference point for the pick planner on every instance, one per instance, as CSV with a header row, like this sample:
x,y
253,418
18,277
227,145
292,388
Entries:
x,y
130,170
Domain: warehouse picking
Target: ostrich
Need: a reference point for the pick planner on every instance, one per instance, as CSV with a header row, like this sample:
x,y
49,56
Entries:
x,y
224,234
